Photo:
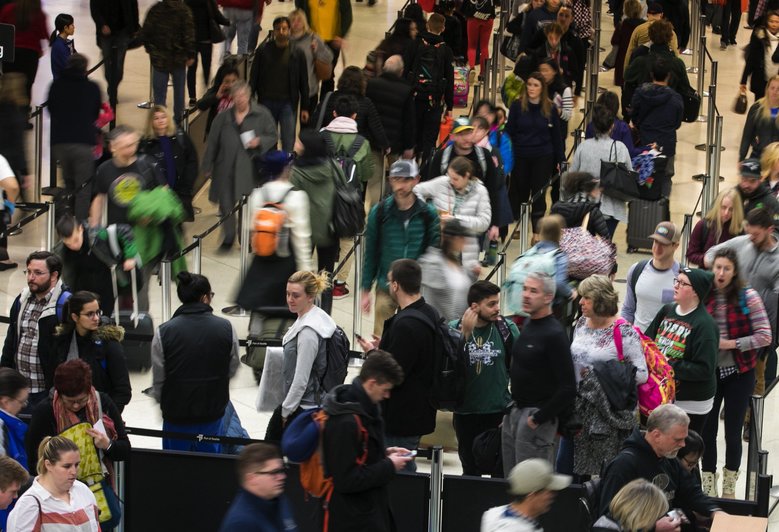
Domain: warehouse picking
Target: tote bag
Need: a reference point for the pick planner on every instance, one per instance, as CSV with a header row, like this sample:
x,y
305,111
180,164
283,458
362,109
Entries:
x,y
587,254
616,179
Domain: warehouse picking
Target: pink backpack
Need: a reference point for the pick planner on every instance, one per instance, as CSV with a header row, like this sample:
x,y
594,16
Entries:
x,y
660,387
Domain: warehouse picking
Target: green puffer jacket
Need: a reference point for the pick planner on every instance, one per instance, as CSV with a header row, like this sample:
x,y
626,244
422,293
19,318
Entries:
x,y
363,158
389,238
154,213
317,179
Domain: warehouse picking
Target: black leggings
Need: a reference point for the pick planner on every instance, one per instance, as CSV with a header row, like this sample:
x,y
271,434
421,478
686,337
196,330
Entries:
x,y
530,174
204,49
735,390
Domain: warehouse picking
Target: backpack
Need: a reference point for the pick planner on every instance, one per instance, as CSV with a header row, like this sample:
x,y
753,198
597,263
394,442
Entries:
x,y
302,444
271,234
61,300
348,218
533,261
345,159
427,72
660,387
337,364
448,389
639,269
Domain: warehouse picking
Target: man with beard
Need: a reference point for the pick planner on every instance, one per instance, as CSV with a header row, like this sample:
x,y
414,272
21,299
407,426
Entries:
x,y
279,80
754,191
35,314
652,456
489,338
401,226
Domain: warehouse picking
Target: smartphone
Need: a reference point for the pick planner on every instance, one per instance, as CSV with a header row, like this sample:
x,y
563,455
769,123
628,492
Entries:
x,y
358,336
410,453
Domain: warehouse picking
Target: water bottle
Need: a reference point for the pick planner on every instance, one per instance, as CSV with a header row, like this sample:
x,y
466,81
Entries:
x,y
492,253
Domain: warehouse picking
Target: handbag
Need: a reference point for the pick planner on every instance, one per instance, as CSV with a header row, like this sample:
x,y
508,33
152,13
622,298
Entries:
x,y
510,47
692,106
587,254
617,180
740,107
323,70
215,33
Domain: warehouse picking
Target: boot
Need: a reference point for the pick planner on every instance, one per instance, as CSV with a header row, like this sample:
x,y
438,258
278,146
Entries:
x,y
729,479
709,483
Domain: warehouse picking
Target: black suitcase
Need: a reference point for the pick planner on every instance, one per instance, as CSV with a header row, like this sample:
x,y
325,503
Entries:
x,y
138,328
643,217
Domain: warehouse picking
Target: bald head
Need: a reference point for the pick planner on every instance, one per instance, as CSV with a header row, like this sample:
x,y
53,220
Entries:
x,y
393,65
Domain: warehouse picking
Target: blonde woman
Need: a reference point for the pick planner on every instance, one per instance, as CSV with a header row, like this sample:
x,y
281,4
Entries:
x,y
761,127
723,221
635,508
173,153
460,195
312,47
305,350
769,167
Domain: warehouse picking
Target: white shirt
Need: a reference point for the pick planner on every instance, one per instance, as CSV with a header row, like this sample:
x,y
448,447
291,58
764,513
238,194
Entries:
x,y
5,173
503,519
26,513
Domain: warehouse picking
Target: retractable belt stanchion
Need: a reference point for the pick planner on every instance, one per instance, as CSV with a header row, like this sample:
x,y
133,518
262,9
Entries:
x,y
696,23
148,104
166,293
708,146
716,153
593,60
51,221
496,66
38,175
701,71
197,260
436,488
246,221
119,473
357,296
686,231
524,227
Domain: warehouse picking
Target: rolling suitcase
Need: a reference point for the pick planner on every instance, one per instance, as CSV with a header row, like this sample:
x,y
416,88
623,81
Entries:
x,y
138,328
267,326
643,217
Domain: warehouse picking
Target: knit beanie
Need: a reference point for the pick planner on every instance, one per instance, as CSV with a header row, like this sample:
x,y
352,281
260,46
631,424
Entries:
x,y
701,281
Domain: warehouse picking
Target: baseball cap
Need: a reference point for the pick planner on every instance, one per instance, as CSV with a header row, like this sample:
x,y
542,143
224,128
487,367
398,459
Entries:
x,y
275,161
462,124
654,8
404,168
535,474
666,233
749,168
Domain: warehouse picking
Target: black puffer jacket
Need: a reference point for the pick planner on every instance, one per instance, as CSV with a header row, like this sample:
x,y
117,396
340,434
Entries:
x,y
185,158
360,499
574,212
369,123
393,99
638,460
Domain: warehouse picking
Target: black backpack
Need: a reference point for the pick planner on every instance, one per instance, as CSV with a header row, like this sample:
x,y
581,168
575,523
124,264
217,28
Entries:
x,y
348,207
427,69
448,390
345,159
337,353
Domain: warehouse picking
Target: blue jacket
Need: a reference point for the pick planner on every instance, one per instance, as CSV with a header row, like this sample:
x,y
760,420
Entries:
x,y
500,142
249,513
61,49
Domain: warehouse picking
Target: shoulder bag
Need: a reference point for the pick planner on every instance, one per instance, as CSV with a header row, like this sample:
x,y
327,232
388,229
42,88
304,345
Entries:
x,y
616,179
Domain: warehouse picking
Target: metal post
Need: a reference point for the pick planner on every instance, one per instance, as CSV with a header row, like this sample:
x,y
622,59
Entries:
x,y
357,307
38,125
493,72
593,60
755,445
436,488
524,227
197,260
500,276
245,235
701,68
505,8
165,281
119,471
51,220
485,82
148,104
715,163
695,31
686,235
476,92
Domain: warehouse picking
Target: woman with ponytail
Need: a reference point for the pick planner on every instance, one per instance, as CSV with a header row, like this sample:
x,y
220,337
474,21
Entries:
x,y
193,357
305,346
14,390
56,496
61,46
81,335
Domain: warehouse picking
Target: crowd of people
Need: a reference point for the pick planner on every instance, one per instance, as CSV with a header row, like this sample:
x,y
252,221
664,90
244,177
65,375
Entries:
x,y
559,381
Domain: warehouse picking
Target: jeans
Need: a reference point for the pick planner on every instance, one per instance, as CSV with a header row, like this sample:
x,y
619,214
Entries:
x,y
520,442
160,89
284,115
428,120
408,442
241,24
78,165
114,49
204,49
467,427
735,391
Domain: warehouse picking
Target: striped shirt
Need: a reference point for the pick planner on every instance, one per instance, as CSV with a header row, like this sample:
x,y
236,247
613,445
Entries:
x,y
761,327
39,510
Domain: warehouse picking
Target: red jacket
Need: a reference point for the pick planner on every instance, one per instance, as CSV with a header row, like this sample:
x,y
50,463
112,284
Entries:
x,y
31,37
701,240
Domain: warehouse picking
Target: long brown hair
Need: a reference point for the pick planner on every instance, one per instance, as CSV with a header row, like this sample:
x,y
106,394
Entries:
x,y
546,103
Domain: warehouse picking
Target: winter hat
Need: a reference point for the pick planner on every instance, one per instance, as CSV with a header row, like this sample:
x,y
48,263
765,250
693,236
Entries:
x,y
701,281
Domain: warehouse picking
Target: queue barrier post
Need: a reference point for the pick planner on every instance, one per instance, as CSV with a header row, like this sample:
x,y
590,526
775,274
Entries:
x,y
496,66
51,220
524,227
166,291
357,296
197,260
149,103
436,489
701,69
716,156
695,32
686,231
38,154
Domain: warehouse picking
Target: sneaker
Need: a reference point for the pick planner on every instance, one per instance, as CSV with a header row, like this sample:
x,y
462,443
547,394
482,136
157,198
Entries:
x,y
340,291
192,102
472,76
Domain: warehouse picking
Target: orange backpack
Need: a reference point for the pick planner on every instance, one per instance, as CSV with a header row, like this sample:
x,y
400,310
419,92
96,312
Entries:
x,y
271,234
298,445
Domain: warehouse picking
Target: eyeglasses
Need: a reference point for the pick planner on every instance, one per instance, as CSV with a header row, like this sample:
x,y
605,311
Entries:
x,y
678,282
35,273
75,401
690,464
92,314
273,472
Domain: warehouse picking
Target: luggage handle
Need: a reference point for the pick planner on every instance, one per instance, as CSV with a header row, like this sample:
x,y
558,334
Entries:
x,y
134,315
116,294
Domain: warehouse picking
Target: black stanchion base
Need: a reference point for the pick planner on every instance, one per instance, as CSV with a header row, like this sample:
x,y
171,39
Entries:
x,y
235,311
702,147
52,191
699,177
145,105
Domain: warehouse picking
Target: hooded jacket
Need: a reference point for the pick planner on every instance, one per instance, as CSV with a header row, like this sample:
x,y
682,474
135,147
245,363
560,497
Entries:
x,y
168,34
657,111
758,132
640,69
103,351
316,177
393,98
761,198
305,360
74,105
360,498
343,131
637,459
